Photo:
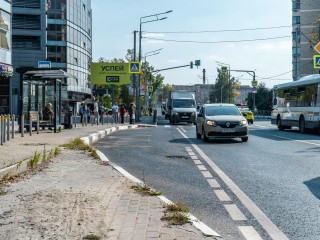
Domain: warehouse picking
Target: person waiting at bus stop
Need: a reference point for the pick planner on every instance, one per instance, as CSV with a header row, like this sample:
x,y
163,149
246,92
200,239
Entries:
x,y
47,114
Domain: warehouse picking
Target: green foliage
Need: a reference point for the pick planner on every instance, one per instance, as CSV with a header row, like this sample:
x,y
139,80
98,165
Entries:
x,y
44,154
263,98
34,161
146,190
78,144
91,237
177,218
56,151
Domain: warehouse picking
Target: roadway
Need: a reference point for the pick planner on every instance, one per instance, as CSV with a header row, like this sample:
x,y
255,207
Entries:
x,y
267,188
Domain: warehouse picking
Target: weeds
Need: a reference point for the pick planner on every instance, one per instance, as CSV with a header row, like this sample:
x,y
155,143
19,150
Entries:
x,y
78,144
2,192
92,237
146,190
176,214
34,161
44,154
56,151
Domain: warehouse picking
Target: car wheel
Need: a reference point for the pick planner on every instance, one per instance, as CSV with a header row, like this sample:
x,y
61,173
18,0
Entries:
x,y
198,134
280,127
302,125
204,137
251,121
244,139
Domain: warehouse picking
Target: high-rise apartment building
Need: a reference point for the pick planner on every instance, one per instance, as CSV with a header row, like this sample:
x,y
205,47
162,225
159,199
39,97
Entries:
x,y
5,56
59,31
304,15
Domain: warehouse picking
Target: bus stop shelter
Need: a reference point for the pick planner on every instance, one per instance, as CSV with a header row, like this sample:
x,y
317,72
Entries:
x,y
38,87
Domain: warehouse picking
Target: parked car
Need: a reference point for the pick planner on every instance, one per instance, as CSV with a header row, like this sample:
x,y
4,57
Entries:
x,y
246,112
221,121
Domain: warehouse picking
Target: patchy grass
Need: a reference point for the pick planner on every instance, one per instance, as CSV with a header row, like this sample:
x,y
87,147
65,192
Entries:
x,y
91,237
44,154
176,214
146,190
178,207
56,151
35,160
2,191
78,144
176,218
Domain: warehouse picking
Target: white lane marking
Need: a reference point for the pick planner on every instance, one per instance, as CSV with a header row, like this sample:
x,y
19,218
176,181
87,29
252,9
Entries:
x,y
273,231
206,174
222,195
201,167
197,162
295,140
167,126
182,129
249,233
213,183
194,157
191,153
235,212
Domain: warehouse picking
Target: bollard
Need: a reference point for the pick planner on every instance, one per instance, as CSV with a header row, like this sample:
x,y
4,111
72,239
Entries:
x,y
38,124
8,127
12,126
91,119
75,120
102,119
22,126
4,127
1,139
30,125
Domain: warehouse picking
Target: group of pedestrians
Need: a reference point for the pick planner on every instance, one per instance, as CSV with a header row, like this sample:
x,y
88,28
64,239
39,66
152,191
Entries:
x,y
96,112
116,111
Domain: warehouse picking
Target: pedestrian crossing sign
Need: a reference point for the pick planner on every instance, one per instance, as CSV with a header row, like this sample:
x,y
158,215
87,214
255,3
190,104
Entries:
x,y
134,68
316,61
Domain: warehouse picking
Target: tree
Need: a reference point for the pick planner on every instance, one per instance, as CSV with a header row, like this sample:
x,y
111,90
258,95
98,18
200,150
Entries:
x,y
263,98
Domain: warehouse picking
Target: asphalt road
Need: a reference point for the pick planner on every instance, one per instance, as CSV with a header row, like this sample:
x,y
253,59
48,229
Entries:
x,y
267,188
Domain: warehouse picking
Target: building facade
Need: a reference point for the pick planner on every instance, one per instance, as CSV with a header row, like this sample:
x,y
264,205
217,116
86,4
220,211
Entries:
x,y
59,31
304,15
202,92
6,69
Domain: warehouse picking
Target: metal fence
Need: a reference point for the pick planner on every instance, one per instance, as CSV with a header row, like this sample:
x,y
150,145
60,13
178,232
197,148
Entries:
x,y
9,126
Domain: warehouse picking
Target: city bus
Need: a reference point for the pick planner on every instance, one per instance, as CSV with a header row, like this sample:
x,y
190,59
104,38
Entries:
x,y
297,104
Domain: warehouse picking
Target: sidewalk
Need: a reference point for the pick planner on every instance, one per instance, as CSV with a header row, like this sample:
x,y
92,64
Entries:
x,y
75,195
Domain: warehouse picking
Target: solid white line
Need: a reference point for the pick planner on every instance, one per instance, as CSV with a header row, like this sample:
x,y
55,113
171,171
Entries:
x,y
235,212
249,233
222,195
273,231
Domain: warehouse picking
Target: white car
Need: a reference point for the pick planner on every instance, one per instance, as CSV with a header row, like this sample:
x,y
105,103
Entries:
x,y
221,121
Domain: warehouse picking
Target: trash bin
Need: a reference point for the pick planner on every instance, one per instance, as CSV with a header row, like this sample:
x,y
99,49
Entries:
x,y
68,120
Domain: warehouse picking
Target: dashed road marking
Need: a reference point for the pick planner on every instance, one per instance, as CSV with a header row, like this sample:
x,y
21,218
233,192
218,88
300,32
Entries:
x,y
197,162
222,195
249,233
206,174
213,183
235,212
194,157
201,167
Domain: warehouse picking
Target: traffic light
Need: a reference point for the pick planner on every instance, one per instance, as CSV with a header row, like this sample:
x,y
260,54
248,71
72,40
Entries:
x,y
150,95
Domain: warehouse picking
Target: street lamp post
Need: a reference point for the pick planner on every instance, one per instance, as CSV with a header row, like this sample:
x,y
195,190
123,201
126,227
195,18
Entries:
x,y
140,37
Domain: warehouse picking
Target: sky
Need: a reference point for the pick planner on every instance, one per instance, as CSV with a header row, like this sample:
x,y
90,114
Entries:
x,y
196,30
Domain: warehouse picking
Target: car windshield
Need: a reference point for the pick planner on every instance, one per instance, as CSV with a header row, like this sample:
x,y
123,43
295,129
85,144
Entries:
x,y
184,103
222,110
244,109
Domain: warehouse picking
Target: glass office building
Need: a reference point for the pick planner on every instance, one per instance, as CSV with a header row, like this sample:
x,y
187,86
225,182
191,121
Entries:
x,y
59,31
6,69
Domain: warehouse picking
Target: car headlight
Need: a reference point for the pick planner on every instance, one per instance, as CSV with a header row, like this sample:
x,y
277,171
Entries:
x,y
175,113
243,122
211,123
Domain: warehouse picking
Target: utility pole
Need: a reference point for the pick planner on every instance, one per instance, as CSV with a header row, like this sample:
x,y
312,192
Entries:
x,y
296,55
204,76
135,91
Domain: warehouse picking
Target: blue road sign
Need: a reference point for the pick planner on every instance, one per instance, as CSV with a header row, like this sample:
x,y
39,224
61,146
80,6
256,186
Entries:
x,y
316,61
134,67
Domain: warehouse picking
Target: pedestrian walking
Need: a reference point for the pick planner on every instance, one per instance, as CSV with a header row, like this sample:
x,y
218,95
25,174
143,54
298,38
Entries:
x,y
132,112
96,112
122,113
115,112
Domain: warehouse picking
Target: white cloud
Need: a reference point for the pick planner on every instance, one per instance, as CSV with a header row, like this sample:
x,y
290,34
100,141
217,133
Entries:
x,y
153,35
277,46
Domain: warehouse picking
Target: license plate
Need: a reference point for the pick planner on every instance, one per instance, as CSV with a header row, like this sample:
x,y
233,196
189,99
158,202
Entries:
x,y
228,130
184,117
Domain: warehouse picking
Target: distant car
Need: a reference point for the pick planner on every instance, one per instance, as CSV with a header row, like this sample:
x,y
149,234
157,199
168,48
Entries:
x,y
221,121
246,112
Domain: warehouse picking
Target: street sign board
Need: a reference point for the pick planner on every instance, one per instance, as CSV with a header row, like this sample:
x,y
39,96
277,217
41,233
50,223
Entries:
x,y
134,67
110,73
316,61
317,47
254,83
150,88
44,64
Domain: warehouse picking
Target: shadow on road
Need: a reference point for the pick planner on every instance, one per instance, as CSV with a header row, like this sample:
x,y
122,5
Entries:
x,y
314,186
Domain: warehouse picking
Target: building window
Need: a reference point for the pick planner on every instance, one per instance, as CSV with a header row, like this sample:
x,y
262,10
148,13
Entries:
x,y
57,32
24,21
4,30
296,20
296,36
26,3
26,42
295,5
57,54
